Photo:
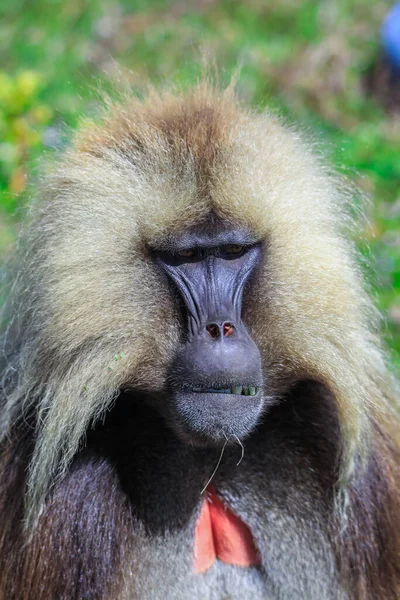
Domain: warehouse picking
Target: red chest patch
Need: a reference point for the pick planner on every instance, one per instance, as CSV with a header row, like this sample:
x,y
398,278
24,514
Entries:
x,y
222,535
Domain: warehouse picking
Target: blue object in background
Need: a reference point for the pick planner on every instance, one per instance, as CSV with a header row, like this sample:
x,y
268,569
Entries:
x,y
390,36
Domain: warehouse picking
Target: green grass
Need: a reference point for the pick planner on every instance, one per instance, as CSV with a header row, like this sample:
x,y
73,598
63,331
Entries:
x,y
307,59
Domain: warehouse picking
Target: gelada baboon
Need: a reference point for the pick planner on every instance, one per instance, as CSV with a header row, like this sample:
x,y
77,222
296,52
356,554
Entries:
x,y
195,402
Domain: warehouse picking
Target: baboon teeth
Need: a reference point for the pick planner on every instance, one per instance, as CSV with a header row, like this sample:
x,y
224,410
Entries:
x,y
238,390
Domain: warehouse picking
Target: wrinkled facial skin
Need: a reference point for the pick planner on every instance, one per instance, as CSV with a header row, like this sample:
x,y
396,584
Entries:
x,y
216,381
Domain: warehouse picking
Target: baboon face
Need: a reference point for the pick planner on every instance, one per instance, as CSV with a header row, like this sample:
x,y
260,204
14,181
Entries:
x,y
191,255
215,383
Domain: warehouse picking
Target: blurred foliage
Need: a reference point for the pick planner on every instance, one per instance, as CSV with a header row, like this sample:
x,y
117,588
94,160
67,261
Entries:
x,y
311,60
23,120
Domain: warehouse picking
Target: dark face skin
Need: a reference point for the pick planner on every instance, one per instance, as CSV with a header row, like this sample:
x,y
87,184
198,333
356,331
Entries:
x,y
216,378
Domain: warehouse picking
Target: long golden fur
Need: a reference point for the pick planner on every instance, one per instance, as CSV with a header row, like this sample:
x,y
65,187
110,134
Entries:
x,y
87,303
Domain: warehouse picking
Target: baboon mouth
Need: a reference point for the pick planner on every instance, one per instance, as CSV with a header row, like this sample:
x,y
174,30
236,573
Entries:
x,y
238,390
210,415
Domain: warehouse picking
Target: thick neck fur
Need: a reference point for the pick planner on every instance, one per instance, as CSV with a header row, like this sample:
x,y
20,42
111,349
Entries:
x,y
121,523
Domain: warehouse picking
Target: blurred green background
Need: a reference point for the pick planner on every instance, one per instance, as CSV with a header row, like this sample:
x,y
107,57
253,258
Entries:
x,y
315,61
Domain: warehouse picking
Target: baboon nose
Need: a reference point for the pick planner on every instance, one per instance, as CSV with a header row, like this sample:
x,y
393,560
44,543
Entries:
x,y
218,330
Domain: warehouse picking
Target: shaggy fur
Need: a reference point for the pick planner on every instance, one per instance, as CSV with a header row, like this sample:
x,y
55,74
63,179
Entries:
x,y
89,315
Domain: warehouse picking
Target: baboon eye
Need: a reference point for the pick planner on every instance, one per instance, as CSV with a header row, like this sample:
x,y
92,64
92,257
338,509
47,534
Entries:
x,y
232,249
187,252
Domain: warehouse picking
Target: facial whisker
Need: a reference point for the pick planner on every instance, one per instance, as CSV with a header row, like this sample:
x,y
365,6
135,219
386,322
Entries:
x,y
242,447
216,468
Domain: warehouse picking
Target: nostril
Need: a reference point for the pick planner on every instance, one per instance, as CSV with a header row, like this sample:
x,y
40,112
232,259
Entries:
x,y
213,330
228,329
